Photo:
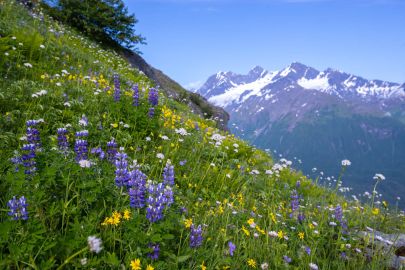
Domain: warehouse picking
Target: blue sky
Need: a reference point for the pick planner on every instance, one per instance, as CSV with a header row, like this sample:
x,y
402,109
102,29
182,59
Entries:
x,y
190,40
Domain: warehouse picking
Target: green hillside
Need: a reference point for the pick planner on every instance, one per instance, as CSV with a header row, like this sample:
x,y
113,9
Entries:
x,y
100,170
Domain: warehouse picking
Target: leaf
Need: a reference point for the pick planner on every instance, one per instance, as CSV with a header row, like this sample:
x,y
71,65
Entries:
x,y
5,228
183,258
156,238
112,259
168,236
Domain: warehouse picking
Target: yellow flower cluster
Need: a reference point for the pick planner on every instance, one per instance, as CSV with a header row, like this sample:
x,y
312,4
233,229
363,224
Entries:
x,y
251,263
188,223
260,230
116,217
136,265
245,230
169,117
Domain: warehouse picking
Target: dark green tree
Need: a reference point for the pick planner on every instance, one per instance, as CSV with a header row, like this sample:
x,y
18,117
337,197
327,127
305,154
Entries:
x,y
107,21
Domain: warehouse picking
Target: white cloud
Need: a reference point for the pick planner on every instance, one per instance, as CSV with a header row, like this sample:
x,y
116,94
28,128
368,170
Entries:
x,y
193,85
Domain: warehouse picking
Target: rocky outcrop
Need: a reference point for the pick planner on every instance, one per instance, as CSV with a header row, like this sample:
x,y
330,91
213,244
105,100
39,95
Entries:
x,y
387,244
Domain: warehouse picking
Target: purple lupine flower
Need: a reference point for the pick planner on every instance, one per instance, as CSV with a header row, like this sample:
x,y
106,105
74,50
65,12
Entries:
x,y
17,161
31,123
183,162
117,88
135,96
232,248
63,144
156,202
301,217
168,196
344,226
298,184
98,152
153,97
112,147
183,210
82,133
33,136
32,133
151,112
81,149
294,201
168,174
308,250
195,236
154,255
287,259
339,213
343,255
28,158
137,189
121,173
18,208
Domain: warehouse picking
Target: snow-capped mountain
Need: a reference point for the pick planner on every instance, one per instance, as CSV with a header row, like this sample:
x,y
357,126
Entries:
x,y
225,88
321,117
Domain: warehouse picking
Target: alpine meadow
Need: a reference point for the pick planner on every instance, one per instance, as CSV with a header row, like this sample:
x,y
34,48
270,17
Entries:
x,y
104,167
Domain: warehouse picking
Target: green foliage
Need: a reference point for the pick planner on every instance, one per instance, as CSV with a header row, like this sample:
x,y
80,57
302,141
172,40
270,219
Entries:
x,y
107,21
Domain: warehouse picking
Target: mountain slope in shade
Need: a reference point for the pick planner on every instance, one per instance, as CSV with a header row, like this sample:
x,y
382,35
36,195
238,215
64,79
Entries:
x,y
321,117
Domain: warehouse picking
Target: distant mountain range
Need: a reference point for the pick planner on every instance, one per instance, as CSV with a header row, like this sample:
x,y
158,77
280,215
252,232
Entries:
x,y
320,117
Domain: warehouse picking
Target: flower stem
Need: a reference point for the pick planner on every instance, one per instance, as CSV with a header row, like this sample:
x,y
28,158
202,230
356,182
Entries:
x,y
71,257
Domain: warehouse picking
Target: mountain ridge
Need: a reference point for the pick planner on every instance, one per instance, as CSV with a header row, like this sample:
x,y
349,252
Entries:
x,y
330,81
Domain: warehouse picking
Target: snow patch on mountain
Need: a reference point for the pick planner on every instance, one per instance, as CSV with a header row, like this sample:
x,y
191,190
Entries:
x,y
287,71
319,83
240,93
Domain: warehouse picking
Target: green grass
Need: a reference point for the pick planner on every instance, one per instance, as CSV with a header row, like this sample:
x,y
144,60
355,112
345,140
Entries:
x,y
216,186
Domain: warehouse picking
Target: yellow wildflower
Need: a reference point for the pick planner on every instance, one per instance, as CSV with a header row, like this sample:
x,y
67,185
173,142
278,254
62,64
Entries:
x,y
245,231
301,235
251,221
149,267
105,222
117,215
385,204
115,221
280,234
136,264
273,217
375,211
260,230
114,125
188,223
127,214
203,267
251,263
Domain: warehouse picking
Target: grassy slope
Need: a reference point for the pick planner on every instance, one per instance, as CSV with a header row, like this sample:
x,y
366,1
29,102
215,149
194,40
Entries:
x,y
215,187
